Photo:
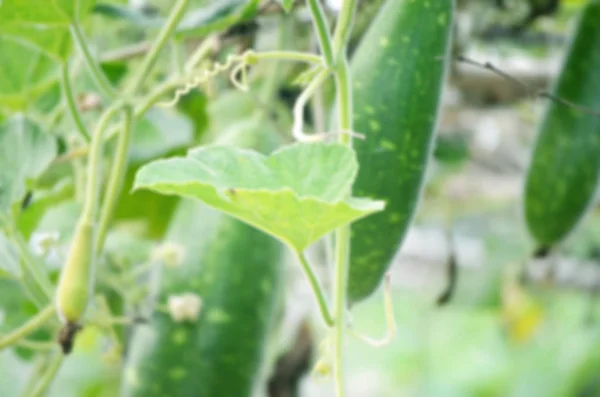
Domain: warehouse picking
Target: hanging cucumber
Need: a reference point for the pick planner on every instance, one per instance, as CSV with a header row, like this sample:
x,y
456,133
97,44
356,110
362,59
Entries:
x,y
563,173
398,72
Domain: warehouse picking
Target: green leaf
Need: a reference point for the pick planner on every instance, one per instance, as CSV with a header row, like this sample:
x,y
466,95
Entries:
x,y
217,17
194,106
61,220
36,12
54,41
151,210
25,152
30,217
296,194
25,74
287,4
130,14
159,132
43,24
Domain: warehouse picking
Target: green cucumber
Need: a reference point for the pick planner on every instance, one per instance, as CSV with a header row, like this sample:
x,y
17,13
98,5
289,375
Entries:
x,y
563,173
235,269
398,72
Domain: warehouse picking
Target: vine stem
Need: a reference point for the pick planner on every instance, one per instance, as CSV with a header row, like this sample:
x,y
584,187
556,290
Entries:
x,y
116,177
92,188
320,23
96,72
287,56
343,84
71,103
342,234
37,272
30,326
342,29
317,290
48,377
161,41
154,97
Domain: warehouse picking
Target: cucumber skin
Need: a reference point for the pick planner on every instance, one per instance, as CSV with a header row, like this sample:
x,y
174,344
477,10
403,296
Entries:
x,y
398,72
564,168
236,270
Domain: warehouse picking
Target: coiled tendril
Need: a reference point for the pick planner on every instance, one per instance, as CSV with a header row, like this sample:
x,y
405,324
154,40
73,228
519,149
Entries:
x,y
238,76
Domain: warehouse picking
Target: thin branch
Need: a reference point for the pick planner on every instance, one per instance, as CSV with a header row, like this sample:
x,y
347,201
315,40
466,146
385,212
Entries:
x,y
316,288
530,91
71,103
97,74
32,325
46,380
451,273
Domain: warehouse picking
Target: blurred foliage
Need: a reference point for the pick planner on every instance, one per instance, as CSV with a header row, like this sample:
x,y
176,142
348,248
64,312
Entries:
x,y
497,338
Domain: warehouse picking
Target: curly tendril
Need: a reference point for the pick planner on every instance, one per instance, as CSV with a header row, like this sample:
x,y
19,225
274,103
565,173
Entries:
x,y
238,76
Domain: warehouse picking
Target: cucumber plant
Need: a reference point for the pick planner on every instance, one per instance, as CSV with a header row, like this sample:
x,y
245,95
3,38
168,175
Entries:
x,y
206,311
294,195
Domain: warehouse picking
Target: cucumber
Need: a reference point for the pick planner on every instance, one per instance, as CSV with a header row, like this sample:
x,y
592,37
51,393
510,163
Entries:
x,y
236,271
398,72
563,172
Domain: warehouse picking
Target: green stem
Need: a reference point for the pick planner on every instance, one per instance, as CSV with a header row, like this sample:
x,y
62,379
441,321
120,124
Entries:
x,y
96,72
342,234
343,83
55,116
287,56
199,53
161,40
178,55
320,23
317,290
71,103
145,105
35,345
32,325
342,255
88,214
164,88
79,177
31,266
35,373
46,381
117,175
342,29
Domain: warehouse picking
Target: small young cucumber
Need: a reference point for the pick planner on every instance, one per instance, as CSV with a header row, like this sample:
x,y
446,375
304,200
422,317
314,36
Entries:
x,y
235,270
563,173
398,71
75,284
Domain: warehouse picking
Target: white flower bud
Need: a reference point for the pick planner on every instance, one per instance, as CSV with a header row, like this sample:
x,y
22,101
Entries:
x,y
43,242
171,254
185,307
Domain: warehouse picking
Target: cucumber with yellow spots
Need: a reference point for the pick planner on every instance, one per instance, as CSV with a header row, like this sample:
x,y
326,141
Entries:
x,y
398,72
235,270
563,173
